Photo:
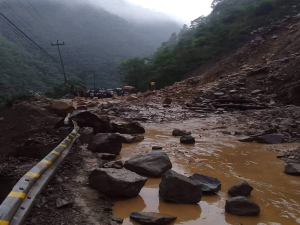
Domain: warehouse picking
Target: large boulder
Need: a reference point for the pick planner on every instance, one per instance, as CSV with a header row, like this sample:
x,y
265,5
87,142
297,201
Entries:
x,y
180,189
177,132
187,139
87,119
61,108
153,164
128,128
241,206
240,189
117,183
209,184
270,139
106,143
151,218
292,169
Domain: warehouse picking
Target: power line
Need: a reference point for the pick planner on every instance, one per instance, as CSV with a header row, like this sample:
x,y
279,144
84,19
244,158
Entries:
x,y
49,27
28,37
36,19
11,9
12,28
42,18
23,6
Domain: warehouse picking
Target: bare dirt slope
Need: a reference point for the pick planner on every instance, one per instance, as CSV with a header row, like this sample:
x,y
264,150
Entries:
x,y
269,60
27,123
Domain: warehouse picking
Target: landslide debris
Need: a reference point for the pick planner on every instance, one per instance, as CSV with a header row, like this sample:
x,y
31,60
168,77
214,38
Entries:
x,y
258,85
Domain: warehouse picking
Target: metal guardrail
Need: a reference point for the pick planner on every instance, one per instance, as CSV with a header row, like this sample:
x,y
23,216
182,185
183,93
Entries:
x,y
17,205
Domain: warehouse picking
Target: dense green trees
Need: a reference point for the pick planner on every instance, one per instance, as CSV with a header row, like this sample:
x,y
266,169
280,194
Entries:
x,y
133,71
208,37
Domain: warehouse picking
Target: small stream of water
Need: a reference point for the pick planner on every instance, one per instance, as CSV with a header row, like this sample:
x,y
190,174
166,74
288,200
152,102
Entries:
x,y
222,157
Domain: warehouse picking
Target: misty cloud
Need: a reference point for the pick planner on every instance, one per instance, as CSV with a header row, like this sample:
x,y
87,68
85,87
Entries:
x,y
126,10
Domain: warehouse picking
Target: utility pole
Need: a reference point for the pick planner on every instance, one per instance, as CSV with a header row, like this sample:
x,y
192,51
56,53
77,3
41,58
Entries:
x,y
61,60
94,80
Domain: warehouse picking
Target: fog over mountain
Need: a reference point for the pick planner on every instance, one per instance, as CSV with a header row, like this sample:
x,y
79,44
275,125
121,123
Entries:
x,y
126,10
98,34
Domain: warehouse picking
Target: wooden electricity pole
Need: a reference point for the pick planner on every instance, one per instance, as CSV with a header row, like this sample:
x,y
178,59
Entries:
x,y
61,60
94,80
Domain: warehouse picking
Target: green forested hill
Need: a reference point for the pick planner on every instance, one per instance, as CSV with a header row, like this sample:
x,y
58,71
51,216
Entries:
x,y
225,29
25,71
95,39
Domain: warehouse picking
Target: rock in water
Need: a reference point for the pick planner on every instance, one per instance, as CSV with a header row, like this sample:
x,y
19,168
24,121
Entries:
x,y
153,164
246,139
177,132
151,218
127,138
128,128
87,119
187,139
240,189
292,169
270,139
241,206
114,182
177,188
209,184
138,138
106,143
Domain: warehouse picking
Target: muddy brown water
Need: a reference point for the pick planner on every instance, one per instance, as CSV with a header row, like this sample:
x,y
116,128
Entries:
x,y
222,157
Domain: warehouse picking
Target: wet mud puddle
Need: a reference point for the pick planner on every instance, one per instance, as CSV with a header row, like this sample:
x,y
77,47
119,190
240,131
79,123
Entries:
x,y
222,157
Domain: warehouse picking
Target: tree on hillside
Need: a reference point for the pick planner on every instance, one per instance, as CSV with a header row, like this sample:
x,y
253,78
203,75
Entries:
x,y
132,71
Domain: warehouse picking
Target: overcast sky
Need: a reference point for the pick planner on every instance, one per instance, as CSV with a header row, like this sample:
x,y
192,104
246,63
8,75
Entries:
x,y
182,10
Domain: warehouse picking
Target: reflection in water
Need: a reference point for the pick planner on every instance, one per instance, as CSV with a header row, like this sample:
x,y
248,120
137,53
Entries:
x,y
183,212
128,206
224,158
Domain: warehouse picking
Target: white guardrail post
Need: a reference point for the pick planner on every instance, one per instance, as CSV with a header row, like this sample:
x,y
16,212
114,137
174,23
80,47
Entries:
x,y
17,205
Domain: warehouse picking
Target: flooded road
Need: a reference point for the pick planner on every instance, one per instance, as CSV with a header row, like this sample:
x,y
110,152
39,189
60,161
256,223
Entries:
x,y
223,157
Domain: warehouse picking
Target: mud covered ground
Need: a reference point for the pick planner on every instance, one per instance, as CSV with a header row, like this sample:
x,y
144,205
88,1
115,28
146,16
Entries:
x,y
70,183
